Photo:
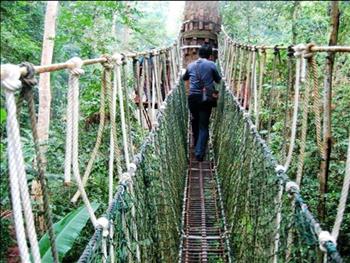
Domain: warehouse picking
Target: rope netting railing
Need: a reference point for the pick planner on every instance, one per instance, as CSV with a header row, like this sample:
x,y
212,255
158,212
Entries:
x,y
256,122
157,184
155,75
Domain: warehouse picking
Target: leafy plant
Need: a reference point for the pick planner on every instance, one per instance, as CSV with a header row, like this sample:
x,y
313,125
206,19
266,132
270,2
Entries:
x,y
67,230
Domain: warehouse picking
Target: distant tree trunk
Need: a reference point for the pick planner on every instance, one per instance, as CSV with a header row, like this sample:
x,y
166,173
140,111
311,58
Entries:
x,y
295,10
45,98
327,135
44,80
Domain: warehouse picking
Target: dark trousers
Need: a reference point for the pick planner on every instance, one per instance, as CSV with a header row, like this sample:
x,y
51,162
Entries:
x,y
200,123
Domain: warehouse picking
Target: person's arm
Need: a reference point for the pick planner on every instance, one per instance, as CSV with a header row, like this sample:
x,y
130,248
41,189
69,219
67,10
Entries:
x,y
186,76
216,75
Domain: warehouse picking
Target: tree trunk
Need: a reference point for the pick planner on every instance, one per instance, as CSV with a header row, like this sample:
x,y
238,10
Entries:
x,y
295,10
45,99
327,133
44,80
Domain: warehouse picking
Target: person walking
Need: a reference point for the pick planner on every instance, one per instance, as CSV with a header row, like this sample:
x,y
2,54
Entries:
x,y
201,75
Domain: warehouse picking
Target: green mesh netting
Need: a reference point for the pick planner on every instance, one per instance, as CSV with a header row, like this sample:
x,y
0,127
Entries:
x,y
254,196
157,195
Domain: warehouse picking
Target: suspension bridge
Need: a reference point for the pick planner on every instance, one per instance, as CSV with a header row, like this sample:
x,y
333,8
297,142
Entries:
x,y
238,205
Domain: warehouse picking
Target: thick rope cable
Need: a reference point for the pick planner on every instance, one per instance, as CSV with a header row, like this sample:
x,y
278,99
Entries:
x,y
28,82
343,197
101,127
317,105
11,83
298,52
74,73
16,153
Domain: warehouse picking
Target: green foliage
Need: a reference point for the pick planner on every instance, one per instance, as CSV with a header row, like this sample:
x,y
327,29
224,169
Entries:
x,y
66,230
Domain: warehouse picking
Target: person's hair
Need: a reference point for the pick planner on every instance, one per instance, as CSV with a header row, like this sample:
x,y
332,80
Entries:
x,y
205,51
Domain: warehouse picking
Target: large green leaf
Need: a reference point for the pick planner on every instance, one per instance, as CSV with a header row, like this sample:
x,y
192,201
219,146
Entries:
x,y
67,230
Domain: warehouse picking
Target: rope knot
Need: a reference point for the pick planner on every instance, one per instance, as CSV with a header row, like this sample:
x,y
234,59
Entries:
x,y
28,80
74,66
307,52
263,49
298,50
103,222
132,168
125,178
10,75
118,59
276,50
323,238
290,51
108,64
292,188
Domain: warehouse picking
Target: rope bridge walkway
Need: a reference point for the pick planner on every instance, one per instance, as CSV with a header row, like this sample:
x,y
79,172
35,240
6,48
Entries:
x,y
239,206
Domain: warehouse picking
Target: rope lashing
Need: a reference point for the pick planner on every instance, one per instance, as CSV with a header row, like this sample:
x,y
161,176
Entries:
x,y
72,160
298,53
28,82
11,83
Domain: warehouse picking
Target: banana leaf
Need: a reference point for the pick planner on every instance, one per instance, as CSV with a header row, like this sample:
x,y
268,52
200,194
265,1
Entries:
x,y
66,230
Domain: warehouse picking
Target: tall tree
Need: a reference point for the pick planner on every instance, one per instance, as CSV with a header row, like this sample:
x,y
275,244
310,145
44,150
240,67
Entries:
x,y
327,133
44,80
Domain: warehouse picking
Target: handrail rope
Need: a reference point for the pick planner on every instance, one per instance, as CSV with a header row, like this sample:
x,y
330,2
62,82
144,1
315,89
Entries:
x,y
27,92
314,48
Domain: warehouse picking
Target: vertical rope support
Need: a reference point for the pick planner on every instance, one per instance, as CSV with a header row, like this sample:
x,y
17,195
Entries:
x,y
247,83
297,54
117,77
74,73
253,83
237,52
286,101
343,196
240,73
18,179
304,124
99,132
262,62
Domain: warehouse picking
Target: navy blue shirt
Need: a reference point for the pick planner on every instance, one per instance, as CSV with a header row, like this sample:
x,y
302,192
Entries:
x,y
207,72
